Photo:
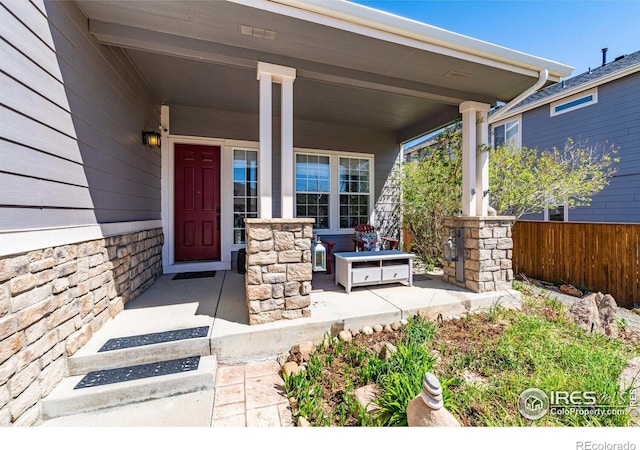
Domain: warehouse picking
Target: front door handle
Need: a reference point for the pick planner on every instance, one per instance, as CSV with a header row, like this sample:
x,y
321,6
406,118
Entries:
x,y
218,220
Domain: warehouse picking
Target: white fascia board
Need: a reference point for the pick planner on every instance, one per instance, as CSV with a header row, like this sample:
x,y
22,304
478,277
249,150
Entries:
x,y
401,30
572,91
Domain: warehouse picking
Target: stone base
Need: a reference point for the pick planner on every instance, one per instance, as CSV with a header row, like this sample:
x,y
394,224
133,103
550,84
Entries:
x,y
53,300
488,250
278,278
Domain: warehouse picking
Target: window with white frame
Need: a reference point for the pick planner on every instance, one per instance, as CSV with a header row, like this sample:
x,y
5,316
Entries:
x,y
574,102
354,190
507,133
245,190
556,213
313,189
333,188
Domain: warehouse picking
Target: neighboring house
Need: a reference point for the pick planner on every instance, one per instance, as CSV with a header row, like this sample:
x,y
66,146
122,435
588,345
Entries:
x,y
269,109
601,108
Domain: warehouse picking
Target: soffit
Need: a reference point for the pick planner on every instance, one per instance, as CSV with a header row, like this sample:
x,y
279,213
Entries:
x,y
362,75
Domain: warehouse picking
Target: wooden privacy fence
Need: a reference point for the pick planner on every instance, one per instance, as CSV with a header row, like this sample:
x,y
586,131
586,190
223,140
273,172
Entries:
x,y
599,256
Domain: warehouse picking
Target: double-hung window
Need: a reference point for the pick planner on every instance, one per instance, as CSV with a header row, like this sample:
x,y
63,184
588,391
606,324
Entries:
x,y
333,188
313,189
245,190
507,133
354,190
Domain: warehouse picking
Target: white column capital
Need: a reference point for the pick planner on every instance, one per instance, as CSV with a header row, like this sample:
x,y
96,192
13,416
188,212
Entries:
x,y
277,73
476,106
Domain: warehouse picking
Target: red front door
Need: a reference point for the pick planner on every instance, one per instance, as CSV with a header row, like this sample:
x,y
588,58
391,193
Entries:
x,y
197,202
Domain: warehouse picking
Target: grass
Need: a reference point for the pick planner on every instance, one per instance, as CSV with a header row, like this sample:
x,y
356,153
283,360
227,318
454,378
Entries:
x,y
485,361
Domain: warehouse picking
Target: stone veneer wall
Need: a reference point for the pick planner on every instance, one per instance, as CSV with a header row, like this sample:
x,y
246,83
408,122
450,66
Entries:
x,y
278,278
53,300
488,250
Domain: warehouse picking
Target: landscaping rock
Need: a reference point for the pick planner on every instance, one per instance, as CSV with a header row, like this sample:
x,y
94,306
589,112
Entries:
x,y
435,315
378,328
290,368
420,415
293,402
354,332
595,313
302,351
404,322
607,309
345,336
383,350
387,329
366,396
367,330
395,326
629,379
426,409
302,422
282,358
570,290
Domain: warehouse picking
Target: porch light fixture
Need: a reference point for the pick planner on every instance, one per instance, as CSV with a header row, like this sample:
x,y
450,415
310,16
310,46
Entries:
x,y
450,249
319,257
151,139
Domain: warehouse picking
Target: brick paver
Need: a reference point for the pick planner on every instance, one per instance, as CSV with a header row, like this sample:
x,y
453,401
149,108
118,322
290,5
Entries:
x,y
250,395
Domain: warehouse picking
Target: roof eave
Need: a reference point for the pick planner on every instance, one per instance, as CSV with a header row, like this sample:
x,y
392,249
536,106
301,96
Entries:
x,y
379,24
572,91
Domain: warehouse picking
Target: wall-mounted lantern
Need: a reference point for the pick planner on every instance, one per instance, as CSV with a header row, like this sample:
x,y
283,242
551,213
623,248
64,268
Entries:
x,y
319,257
151,139
450,249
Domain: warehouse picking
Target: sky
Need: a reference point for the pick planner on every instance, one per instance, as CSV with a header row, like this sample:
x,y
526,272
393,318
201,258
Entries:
x,y
571,32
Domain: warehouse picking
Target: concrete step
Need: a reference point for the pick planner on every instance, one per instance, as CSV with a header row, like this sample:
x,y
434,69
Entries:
x,y
78,394
142,349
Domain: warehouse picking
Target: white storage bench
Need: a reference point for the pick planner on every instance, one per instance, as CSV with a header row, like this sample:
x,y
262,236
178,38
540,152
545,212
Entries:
x,y
376,267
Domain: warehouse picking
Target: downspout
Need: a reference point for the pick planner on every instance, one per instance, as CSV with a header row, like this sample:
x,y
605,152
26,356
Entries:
x,y
542,79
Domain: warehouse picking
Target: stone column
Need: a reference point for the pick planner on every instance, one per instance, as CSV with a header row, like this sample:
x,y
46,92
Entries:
x,y
488,251
278,279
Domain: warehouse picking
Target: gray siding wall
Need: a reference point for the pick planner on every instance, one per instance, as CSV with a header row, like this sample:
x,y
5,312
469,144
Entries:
x,y
191,121
614,120
71,113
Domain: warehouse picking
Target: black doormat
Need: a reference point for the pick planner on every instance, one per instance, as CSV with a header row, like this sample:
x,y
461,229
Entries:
x,y
121,374
154,338
191,275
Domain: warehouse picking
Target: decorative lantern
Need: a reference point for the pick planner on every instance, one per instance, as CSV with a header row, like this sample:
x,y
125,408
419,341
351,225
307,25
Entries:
x,y
319,257
450,249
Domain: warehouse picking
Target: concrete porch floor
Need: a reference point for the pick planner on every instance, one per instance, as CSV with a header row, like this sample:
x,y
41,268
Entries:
x,y
249,389
171,304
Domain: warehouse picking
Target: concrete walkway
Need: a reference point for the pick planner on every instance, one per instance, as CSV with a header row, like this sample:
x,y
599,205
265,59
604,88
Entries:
x,y
249,389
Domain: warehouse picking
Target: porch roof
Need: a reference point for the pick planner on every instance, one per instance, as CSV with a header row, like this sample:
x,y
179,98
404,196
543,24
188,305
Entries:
x,y
355,65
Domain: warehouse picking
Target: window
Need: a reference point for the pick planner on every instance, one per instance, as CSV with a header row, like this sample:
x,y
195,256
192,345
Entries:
x,y
313,188
507,133
245,190
333,188
557,213
574,102
354,192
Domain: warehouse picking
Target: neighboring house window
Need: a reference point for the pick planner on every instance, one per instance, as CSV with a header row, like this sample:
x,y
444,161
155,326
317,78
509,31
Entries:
x,y
557,213
574,102
335,188
354,191
507,133
313,189
245,190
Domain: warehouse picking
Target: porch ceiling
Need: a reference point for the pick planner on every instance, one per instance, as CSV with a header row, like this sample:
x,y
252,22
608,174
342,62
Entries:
x,y
194,53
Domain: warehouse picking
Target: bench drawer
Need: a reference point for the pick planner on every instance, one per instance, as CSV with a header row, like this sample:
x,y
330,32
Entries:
x,y
365,275
400,273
